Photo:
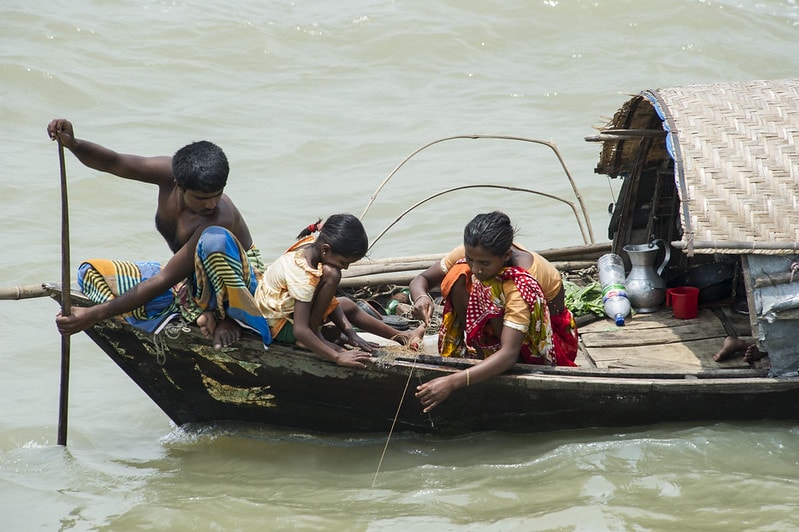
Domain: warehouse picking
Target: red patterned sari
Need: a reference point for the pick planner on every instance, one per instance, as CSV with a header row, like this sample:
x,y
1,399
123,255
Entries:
x,y
487,301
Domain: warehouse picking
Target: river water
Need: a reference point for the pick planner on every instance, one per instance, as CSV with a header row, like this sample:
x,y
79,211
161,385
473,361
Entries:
x,y
315,103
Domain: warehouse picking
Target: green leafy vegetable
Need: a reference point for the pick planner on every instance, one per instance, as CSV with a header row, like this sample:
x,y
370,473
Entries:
x,y
583,300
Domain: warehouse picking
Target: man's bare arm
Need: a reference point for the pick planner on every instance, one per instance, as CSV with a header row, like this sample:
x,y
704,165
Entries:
x,y
179,267
155,170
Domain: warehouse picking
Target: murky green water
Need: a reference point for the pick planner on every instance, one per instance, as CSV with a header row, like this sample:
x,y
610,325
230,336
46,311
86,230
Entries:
x,y
315,103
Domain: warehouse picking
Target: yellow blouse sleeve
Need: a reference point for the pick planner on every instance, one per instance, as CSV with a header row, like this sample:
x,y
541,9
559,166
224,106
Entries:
x,y
517,313
452,257
547,276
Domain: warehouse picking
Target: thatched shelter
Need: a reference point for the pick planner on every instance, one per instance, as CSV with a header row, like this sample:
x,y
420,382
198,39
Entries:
x,y
731,152
714,169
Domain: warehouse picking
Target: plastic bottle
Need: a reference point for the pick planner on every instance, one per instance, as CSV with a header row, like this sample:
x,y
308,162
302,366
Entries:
x,y
403,296
614,293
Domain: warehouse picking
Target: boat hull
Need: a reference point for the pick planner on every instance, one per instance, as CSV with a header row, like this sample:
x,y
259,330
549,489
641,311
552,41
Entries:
x,y
288,387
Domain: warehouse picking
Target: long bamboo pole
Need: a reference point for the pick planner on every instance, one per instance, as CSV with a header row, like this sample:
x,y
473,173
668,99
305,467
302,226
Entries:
x,y
66,302
23,292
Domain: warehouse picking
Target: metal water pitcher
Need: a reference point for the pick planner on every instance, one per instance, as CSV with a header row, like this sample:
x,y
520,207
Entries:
x,y
646,289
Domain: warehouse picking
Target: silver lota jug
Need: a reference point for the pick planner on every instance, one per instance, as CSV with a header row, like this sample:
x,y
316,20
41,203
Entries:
x,y
646,289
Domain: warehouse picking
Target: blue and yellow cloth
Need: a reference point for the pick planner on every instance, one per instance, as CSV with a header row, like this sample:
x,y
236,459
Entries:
x,y
224,281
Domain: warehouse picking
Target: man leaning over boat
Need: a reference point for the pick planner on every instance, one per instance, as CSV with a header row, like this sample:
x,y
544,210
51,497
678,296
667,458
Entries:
x,y
215,267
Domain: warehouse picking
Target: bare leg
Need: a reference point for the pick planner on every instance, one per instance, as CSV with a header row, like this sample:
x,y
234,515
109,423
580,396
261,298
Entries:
x,y
369,323
731,345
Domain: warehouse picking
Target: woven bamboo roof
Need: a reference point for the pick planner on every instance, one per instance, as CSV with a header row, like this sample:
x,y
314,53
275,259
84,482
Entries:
x,y
735,148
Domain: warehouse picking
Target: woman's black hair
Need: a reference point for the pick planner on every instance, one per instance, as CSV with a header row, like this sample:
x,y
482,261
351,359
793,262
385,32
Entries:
x,y
345,235
492,231
201,166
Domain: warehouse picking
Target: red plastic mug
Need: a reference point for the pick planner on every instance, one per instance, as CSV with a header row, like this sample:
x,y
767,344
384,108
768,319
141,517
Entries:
x,y
684,301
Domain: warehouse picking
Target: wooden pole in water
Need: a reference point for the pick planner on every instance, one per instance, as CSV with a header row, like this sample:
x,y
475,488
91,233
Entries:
x,y
66,302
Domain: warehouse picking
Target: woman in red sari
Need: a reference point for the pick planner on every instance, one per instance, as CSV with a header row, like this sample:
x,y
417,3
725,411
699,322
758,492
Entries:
x,y
494,307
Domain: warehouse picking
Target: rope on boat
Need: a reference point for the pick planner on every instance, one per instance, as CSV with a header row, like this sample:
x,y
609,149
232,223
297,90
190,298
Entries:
x,y
160,349
170,330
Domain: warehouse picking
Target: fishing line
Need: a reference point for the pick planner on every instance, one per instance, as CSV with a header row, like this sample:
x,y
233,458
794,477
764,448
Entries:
x,y
394,422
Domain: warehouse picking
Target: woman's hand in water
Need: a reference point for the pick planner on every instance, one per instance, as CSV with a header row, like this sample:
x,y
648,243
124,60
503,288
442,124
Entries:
x,y
432,393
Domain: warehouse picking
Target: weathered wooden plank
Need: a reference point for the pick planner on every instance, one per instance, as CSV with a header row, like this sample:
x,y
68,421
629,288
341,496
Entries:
x,y
653,320
658,342
646,338
402,274
653,337
750,295
690,356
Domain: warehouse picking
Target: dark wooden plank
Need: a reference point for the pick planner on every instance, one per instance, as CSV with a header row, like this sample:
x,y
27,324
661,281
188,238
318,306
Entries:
x,y
689,357
658,342
654,330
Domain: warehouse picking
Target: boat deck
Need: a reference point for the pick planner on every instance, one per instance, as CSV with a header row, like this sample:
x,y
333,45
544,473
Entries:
x,y
658,342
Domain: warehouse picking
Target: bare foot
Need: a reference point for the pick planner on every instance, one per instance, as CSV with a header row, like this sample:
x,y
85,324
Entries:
x,y
227,332
207,323
731,345
413,338
223,333
753,354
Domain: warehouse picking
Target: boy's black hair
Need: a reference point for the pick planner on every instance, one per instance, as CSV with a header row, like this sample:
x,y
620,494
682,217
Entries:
x,y
200,166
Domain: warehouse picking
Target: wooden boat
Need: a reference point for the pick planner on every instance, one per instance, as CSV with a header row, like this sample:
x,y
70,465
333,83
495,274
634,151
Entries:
x,y
654,369
624,378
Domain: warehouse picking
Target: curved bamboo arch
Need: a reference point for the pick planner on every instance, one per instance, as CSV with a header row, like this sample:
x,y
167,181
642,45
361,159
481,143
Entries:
x,y
589,238
463,187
